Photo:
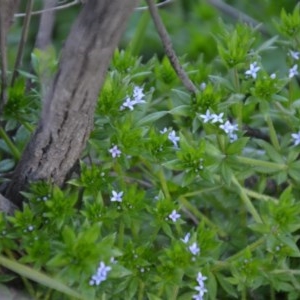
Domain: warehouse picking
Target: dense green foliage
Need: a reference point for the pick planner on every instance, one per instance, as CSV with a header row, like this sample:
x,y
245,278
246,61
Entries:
x,y
171,186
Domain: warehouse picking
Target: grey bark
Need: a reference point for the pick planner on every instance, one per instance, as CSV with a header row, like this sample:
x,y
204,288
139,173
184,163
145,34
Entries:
x,y
67,116
47,19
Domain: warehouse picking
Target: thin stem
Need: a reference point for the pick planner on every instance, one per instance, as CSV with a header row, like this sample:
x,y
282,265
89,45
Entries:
x,y
15,151
39,12
22,41
202,191
273,135
259,196
167,44
157,5
164,184
250,207
260,163
141,290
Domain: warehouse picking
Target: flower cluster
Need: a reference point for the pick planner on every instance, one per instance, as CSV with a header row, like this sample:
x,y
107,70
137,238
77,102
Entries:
x,y
296,138
101,274
193,248
171,136
200,288
229,128
137,98
212,118
293,71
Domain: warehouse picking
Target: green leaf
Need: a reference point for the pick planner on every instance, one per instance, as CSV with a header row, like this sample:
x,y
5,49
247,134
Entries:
x,y
226,285
38,277
237,146
152,297
6,165
271,152
212,286
151,118
181,110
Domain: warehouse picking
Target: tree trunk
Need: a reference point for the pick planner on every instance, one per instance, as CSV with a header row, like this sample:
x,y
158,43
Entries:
x,y
67,116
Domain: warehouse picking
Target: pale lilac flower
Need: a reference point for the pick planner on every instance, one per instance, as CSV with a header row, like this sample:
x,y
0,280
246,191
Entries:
x,y
174,216
207,117
164,130
101,274
293,71
217,118
194,249
138,95
201,279
30,228
296,138
128,103
233,137
228,127
294,54
116,197
186,238
115,151
273,76
202,86
201,287
198,297
201,290
173,138
253,70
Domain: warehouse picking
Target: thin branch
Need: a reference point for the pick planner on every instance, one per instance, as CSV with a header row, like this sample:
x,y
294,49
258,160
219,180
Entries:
x,y
157,5
60,7
23,40
167,44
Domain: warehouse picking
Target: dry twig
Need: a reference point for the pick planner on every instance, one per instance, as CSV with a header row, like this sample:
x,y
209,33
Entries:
x,y
167,44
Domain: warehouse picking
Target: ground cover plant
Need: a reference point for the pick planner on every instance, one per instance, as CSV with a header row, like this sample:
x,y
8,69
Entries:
x,y
177,195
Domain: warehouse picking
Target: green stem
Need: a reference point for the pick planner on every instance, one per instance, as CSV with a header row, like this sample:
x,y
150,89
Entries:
x,y
141,290
29,127
260,196
202,191
273,135
244,294
250,207
260,163
272,293
164,184
15,152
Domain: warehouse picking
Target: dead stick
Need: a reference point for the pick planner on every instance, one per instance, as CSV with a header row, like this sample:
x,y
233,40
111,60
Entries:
x,y
167,44
22,41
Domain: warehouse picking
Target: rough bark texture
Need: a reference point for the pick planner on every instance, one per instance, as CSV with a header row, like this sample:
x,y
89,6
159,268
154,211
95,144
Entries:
x,y
67,117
